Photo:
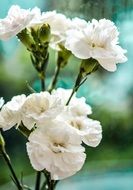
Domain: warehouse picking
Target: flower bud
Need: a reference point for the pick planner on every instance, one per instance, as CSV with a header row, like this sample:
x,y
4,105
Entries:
x,y
26,38
2,142
44,33
88,66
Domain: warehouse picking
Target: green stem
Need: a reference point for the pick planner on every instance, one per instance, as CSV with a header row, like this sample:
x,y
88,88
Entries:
x,y
86,68
42,84
26,132
8,162
38,180
73,91
42,80
51,184
76,86
54,80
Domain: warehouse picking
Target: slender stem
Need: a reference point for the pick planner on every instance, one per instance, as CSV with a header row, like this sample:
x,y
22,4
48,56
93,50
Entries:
x,y
76,86
38,180
51,184
73,91
8,162
42,84
54,80
38,174
26,132
42,80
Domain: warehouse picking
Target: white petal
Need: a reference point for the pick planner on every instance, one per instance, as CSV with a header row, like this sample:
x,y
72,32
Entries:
x,y
107,64
79,48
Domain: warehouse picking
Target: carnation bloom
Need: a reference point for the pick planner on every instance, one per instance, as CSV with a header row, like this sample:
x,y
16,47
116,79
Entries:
x,y
17,20
10,113
98,40
57,148
38,107
77,106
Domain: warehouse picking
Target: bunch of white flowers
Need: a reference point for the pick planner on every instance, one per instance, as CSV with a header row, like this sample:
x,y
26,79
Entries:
x,y
56,122
57,130
95,39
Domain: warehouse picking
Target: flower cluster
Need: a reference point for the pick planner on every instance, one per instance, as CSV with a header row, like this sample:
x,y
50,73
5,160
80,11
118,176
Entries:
x,y
56,122
56,130
95,39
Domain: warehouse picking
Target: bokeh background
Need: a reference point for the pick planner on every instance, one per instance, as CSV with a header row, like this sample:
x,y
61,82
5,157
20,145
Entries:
x,y
110,165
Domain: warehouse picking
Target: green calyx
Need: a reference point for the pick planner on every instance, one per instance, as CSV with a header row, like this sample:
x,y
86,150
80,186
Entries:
x,y
26,38
88,66
36,38
63,56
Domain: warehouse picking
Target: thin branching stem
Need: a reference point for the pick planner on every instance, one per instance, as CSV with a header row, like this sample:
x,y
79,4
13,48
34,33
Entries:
x,y
42,84
38,180
76,86
55,78
8,162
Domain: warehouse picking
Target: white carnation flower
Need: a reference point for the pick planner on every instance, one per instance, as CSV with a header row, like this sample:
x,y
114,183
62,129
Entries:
x,y
17,20
59,24
40,106
89,130
57,148
99,40
77,106
10,113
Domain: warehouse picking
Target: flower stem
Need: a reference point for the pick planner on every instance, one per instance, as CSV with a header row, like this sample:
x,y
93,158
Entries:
x,y
42,84
41,75
49,184
54,80
73,91
26,132
76,86
8,162
86,68
38,180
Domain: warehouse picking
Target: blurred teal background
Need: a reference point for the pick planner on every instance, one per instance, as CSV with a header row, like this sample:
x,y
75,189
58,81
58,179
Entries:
x,y
110,165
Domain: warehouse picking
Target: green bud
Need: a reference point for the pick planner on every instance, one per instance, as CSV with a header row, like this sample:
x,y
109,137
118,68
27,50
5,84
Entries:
x,y
63,56
26,38
44,33
88,66
2,142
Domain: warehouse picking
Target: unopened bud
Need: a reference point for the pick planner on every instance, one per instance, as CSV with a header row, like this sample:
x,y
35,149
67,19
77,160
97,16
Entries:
x,y
44,33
